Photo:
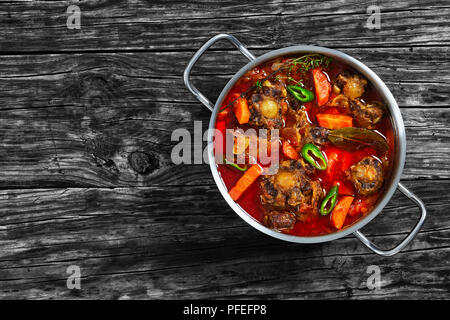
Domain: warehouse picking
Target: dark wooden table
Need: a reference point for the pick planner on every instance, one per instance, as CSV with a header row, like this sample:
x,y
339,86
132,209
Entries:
x,y
85,170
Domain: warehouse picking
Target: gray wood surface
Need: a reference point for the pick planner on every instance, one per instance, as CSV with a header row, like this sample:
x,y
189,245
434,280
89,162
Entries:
x,y
86,178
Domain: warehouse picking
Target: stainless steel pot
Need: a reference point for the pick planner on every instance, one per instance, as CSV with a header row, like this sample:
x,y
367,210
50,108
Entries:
x,y
399,154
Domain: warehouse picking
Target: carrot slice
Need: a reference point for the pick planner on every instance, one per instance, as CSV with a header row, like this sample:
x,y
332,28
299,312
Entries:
x,y
289,151
339,212
241,110
334,121
323,87
245,181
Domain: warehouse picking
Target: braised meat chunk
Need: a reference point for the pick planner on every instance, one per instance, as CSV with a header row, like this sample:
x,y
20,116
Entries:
x,y
316,135
267,105
349,88
367,114
351,85
280,220
301,119
341,101
290,187
366,176
312,193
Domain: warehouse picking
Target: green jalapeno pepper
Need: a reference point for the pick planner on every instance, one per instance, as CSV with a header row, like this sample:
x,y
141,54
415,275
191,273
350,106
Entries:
x,y
329,201
311,148
234,165
300,93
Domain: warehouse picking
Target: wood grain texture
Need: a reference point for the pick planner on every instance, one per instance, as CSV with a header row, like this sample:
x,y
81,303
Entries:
x,y
86,178
70,146
126,244
74,120
168,25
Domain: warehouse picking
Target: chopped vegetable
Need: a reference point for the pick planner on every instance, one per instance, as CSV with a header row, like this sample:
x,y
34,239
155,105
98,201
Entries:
x,y
234,165
340,211
311,148
330,201
241,110
323,87
351,139
334,121
289,151
300,93
245,181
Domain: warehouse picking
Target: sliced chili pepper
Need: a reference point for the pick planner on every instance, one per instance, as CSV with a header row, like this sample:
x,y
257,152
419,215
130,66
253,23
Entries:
x,y
329,201
234,165
309,147
300,93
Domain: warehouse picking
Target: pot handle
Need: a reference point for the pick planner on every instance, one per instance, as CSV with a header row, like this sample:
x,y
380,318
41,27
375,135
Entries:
x,y
397,249
199,53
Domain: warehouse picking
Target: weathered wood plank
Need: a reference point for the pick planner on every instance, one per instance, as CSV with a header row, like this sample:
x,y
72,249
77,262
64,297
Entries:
x,y
416,77
119,25
143,243
92,146
74,120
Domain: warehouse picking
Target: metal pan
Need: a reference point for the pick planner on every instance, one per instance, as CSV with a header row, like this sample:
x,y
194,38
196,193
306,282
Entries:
x,y
399,154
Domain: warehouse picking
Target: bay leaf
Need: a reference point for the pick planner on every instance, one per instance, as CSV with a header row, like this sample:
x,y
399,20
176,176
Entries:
x,y
351,139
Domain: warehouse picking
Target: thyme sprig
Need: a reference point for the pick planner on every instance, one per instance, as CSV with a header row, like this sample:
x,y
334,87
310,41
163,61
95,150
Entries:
x,y
296,82
308,62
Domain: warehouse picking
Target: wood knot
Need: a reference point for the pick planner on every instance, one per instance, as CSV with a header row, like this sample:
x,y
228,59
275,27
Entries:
x,y
142,162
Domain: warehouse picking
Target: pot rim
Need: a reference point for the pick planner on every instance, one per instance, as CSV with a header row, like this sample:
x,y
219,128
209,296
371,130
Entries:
x,y
397,122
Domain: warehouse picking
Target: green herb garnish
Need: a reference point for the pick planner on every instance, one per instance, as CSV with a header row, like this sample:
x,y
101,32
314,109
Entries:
x,y
296,82
308,62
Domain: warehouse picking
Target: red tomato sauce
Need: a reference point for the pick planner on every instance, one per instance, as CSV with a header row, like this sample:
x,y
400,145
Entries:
x,y
339,160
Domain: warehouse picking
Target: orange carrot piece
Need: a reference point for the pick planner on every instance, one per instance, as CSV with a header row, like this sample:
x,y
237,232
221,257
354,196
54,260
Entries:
x,y
323,87
289,151
241,110
334,121
339,212
245,181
